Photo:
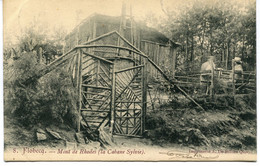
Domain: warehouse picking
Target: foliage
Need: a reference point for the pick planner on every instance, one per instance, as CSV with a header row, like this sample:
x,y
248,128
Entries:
x,y
46,101
223,29
34,37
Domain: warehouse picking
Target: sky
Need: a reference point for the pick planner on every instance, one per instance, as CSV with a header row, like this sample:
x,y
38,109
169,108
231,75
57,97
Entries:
x,y
19,14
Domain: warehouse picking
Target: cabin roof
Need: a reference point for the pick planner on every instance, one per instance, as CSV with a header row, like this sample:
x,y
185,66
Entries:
x,y
148,33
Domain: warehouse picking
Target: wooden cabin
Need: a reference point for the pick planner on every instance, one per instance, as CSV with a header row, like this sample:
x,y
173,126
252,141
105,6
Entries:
x,y
153,43
113,59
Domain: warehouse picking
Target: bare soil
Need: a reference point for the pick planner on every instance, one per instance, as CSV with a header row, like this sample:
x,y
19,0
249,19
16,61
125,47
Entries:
x,y
177,124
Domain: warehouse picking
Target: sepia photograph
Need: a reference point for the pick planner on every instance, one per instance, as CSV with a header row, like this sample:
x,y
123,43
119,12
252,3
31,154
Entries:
x,y
128,80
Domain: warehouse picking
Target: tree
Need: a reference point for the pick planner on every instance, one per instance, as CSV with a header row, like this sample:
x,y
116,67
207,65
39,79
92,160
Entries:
x,y
223,29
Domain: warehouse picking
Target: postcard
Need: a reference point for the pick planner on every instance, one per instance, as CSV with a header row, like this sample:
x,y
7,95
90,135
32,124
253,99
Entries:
x,y
125,80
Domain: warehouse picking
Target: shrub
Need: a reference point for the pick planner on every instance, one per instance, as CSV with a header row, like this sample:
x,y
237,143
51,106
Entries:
x,y
47,100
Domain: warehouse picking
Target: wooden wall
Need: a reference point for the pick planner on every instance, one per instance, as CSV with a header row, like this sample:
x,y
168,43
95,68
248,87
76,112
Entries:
x,y
163,55
160,52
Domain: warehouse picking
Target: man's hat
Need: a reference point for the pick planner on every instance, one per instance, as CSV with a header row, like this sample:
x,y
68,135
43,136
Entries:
x,y
237,59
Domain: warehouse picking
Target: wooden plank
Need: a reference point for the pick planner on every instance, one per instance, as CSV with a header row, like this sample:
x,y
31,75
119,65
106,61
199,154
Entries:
x,y
120,109
97,57
109,46
61,60
188,77
94,121
105,81
105,72
112,107
144,95
126,41
95,99
110,52
128,85
233,81
212,84
90,71
93,93
130,68
79,88
87,60
96,87
100,111
171,82
97,72
127,101
100,37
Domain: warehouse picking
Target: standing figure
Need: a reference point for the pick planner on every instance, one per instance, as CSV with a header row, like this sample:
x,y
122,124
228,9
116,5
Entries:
x,y
206,70
238,69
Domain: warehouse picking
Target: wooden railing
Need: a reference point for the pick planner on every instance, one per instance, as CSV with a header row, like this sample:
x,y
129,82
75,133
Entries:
x,y
218,82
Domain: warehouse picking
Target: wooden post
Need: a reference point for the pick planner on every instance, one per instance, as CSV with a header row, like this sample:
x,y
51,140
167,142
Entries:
x,y
227,55
76,65
79,86
97,72
112,108
144,95
173,54
158,57
233,81
212,84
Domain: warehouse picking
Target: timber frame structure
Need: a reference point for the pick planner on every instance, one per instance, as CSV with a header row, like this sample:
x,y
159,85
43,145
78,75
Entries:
x,y
108,94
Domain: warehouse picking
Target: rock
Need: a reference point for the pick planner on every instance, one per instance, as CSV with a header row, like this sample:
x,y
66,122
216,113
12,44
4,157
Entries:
x,y
94,144
83,124
79,138
53,133
86,140
94,136
105,137
70,145
40,136
196,137
39,130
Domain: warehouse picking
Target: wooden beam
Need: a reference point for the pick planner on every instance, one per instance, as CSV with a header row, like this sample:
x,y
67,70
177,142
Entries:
x,y
212,85
125,40
144,96
112,107
130,68
173,53
79,89
160,44
171,82
97,57
158,68
100,37
96,87
51,66
109,46
233,81
136,74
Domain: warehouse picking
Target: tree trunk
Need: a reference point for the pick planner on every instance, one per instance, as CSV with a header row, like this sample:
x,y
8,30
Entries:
x,y
223,56
211,44
227,55
243,46
186,51
192,49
